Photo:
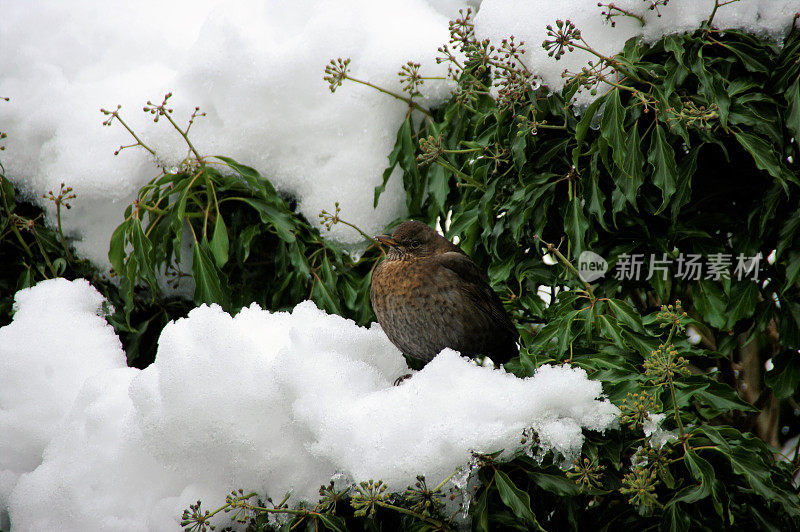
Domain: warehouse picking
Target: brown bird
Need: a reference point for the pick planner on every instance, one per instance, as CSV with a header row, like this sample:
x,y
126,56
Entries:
x,y
428,295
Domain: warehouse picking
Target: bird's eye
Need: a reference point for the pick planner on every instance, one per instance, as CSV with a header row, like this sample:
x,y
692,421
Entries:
x,y
414,244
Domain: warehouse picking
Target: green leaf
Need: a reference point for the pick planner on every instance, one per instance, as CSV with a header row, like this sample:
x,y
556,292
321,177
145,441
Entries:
x,y
683,186
611,127
661,157
595,205
754,58
281,221
245,240
633,161
219,242
333,522
709,300
675,519
703,471
764,156
407,159
59,265
626,314
516,499
742,302
116,250
438,185
554,483
142,256
784,376
750,458
518,144
324,289
576,225
480,515
610,329
251,176
207,284
583,127
792,96
717,398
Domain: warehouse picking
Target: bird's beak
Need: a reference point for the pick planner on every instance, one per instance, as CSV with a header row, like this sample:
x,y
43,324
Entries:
x,y
386,240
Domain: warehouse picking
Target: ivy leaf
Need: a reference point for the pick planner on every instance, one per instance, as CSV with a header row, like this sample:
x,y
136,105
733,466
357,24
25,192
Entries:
x,y
516,499
554,483
750,458
753,57
709,300
258,183
675,519
792,96
116,250
281,221
683,186
611,127
610,329
518,144
219,242
333,522
576,225
764,157
626,314
784,376
323,291
661,157
480,516
207,284
583,127
742,302
717,398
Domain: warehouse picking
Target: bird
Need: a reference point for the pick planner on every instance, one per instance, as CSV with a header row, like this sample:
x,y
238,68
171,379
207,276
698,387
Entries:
x,y
428,294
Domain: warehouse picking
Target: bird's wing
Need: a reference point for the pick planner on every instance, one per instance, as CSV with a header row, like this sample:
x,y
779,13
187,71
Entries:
x,y
477,288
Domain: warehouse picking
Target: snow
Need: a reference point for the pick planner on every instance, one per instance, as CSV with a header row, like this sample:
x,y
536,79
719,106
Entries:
x,y
269,402
657,437
256,67
527,20
57,340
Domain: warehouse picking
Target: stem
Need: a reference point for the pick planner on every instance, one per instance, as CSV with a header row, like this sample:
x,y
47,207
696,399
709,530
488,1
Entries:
x,y
61,234
548,126
44,253
609,60
464,177
409,101
717,5
221,508
138,140
21,240
365,235
470,150
675,405
421,517
551,248
627,13
443,482
671,385
184,135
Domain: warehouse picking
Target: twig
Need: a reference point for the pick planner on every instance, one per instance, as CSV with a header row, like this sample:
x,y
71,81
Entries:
x,y
551,248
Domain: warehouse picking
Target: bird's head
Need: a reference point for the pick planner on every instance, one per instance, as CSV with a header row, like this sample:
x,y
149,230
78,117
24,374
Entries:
x,y
414,240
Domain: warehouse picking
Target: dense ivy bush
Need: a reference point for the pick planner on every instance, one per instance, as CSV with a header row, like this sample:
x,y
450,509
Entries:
x,y
686,157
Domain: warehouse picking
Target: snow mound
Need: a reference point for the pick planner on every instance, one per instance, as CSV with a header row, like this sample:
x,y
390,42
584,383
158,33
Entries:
x,y
268,402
